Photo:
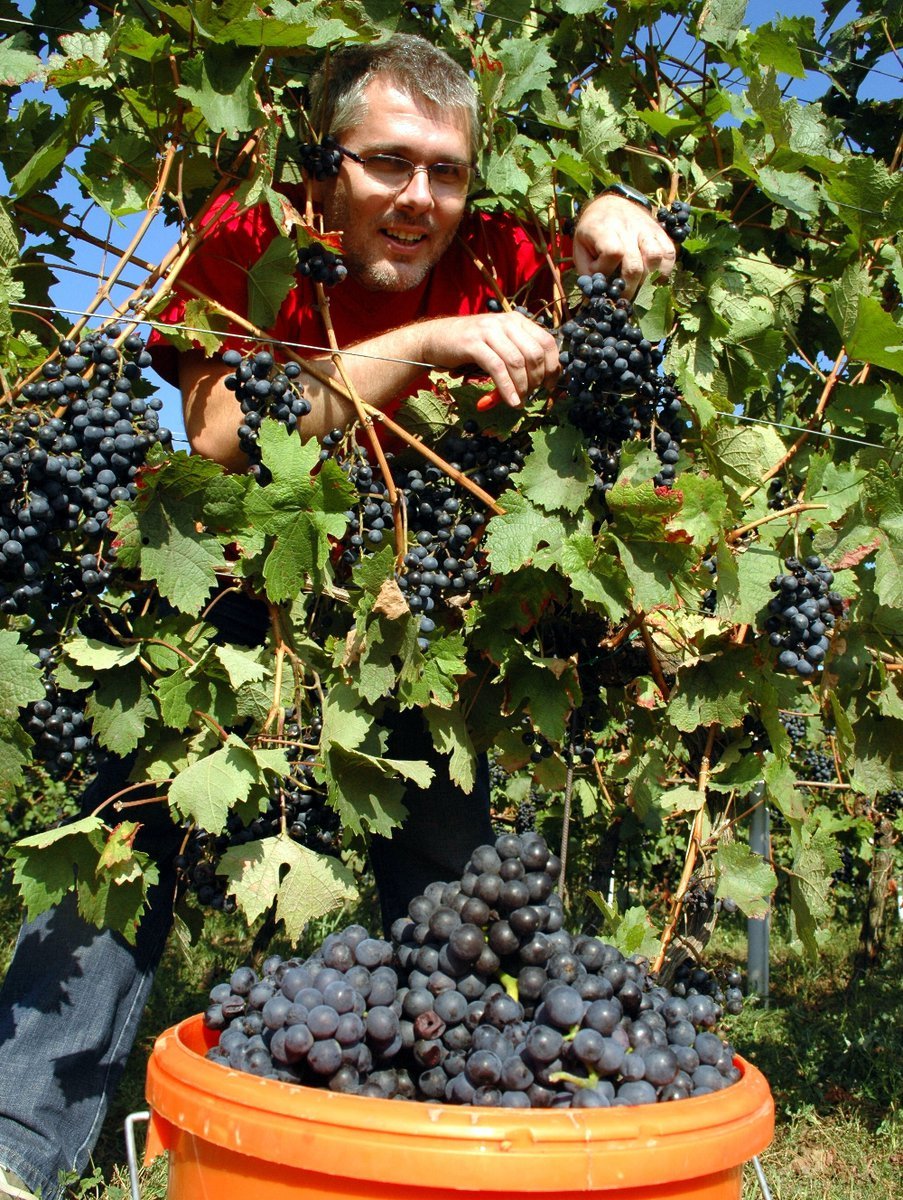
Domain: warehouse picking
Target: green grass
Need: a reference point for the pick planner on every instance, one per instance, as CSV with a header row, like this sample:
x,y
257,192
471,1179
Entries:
x,y
831,1050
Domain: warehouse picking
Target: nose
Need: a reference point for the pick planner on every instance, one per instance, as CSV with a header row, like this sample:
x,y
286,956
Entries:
x,y
416,195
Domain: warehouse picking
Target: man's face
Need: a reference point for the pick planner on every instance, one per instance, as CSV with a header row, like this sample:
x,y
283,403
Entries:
x,y
391,239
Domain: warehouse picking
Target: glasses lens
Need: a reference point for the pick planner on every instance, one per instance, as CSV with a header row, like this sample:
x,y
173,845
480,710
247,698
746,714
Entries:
x,y
450,177
388,169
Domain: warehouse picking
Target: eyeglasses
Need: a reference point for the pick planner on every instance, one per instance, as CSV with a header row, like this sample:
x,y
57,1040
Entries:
x,y
447,179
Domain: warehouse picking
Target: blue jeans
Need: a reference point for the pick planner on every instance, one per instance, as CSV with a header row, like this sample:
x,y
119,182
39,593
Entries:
x,y
73,997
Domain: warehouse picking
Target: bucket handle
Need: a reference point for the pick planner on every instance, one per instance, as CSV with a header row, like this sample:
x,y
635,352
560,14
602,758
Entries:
x,y
760,1177
130,1151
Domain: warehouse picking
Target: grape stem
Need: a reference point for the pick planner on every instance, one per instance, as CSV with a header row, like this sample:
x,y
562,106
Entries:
x,y
692,854
735,534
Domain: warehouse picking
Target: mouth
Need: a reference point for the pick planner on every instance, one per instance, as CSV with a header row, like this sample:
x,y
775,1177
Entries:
x,y
407,239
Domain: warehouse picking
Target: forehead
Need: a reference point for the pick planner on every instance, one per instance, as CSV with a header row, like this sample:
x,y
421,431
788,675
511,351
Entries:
x,y
395,120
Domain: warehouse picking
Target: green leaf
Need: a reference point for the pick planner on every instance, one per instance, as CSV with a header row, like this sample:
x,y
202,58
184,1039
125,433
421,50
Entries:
x,y
745,454
99,656
876,337
304,885
220,84
365,790
556,473
712,691
135,40
119,709
513,537
528,66
745,877
815,859
600,124
683,798
205,791
47,864
450,735
270,280
67,132
791,190
301,509
720,21
242,666
116,895
17,63
15,745
777,45
20,673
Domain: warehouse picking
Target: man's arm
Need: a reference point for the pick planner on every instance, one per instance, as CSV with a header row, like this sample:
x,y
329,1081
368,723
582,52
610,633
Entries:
x,y
615,235
516,353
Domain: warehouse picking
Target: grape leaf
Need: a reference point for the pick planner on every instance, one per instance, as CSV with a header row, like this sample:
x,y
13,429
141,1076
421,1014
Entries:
x,y
119,708
713,691
20,673
242,666
206,790
301,509
556,473
365,790
220,85
744,877
304,885
513,537
270,280
450,736
116,894
88,652
815,858
47,864
15,745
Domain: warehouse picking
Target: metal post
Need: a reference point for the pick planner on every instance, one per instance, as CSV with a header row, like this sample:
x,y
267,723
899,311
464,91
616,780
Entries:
x,y
759,928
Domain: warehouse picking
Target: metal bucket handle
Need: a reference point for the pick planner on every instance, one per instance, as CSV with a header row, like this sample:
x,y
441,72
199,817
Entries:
x,y
131,1153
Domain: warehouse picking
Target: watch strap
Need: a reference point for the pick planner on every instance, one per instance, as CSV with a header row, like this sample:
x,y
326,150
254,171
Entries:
x,y
628,193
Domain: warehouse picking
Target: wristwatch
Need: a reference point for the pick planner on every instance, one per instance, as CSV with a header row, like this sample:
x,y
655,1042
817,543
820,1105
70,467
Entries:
x,y
629,193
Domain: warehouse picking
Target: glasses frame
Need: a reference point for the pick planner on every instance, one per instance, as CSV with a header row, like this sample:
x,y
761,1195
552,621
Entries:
x,y
472,168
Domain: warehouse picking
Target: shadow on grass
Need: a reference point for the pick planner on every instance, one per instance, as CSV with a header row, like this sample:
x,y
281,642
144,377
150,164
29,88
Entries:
x,y
826,1044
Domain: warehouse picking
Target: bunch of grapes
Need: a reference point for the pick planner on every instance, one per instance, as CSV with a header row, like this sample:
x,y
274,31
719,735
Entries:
x,y
817,767
675,220
802,614
57,723
479,997
444,520
795,724
263,389
60,474
321,265
320,160
611,371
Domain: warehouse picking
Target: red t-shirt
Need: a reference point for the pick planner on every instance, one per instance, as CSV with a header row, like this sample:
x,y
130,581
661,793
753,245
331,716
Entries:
x,y
454,287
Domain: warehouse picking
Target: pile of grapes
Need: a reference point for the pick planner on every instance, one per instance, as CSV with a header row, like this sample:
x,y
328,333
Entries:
x,y
802,614
480,997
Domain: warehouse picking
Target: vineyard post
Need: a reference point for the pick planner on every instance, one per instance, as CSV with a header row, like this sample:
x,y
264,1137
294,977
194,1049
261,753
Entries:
x,y
759,928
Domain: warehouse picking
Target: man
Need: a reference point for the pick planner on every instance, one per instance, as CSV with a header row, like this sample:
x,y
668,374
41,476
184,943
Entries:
x,y
73,997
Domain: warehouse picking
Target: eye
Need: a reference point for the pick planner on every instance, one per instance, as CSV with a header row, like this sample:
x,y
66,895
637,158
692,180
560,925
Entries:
x,y
444,172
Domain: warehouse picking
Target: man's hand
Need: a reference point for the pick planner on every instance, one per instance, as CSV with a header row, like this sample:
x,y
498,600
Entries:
x,y
516,353
616,236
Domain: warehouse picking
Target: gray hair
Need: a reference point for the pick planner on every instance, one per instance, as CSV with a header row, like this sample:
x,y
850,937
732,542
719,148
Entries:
x,y
413,64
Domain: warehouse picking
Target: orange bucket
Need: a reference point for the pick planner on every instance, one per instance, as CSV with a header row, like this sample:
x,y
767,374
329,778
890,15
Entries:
x,y
226,1130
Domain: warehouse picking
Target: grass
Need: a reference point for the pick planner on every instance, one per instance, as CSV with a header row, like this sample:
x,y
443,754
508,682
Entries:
x,y
831,1050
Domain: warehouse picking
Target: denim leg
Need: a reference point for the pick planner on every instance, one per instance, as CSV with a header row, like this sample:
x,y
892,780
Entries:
x,y
70,1007
443,827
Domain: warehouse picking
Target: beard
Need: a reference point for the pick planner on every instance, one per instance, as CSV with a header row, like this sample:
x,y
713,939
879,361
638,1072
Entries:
x,y
369,261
